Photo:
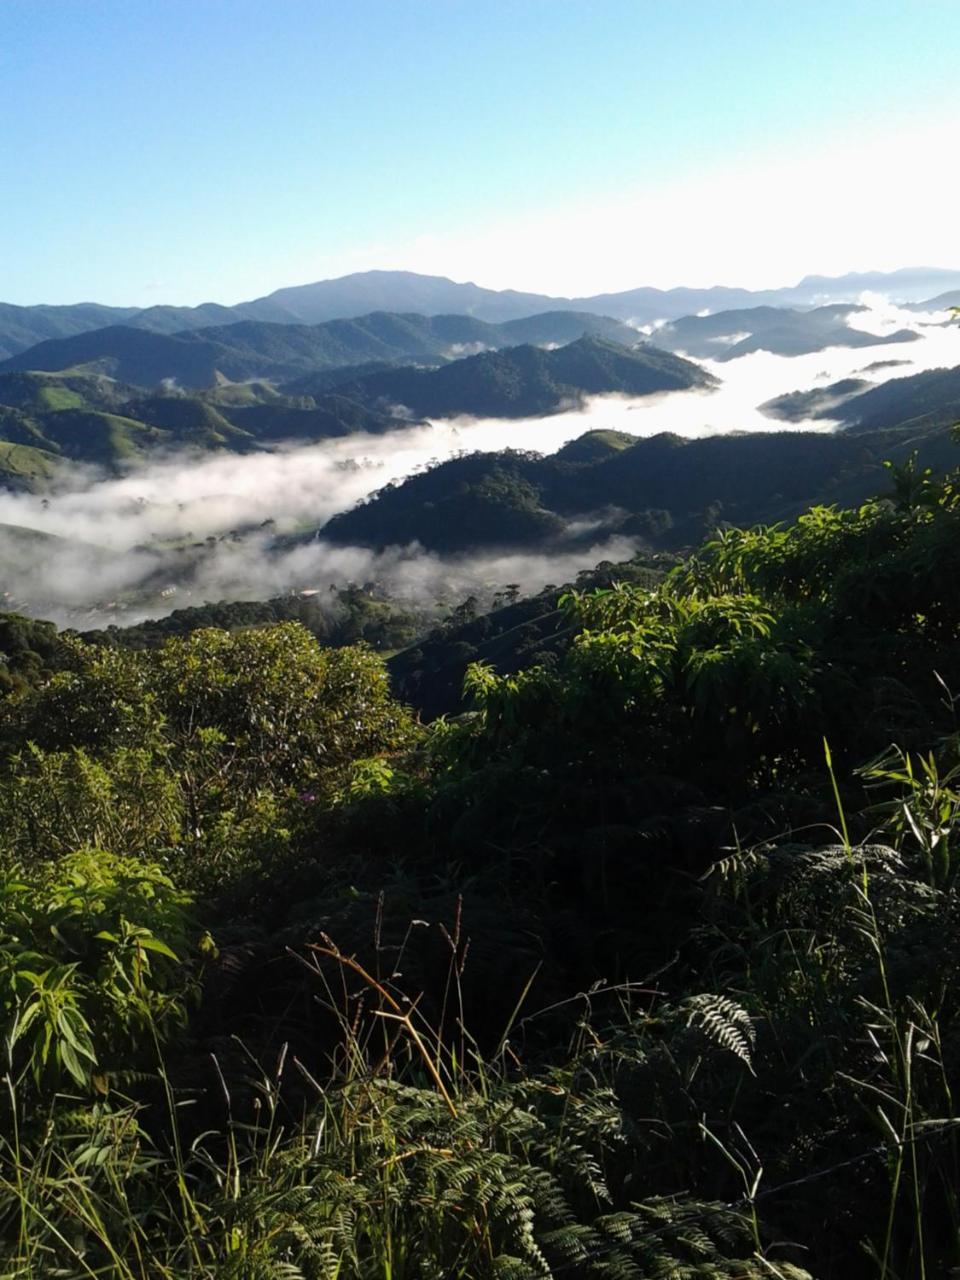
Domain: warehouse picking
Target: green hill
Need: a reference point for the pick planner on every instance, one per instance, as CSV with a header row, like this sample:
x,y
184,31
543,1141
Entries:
x,y
727,335
323,418
145,359
190,420
931,398
324,381
18,542
24,467
594,446
49,420
527,381
250,349
23,327
105,438
665,491
39,392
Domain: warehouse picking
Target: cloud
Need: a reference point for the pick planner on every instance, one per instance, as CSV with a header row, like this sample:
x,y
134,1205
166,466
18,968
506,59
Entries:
x,y
884,317
458,349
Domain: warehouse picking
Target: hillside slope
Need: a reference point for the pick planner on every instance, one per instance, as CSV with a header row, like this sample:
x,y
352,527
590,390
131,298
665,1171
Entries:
x,y
664,491
527,381
931,398
727,335
48,421
252,349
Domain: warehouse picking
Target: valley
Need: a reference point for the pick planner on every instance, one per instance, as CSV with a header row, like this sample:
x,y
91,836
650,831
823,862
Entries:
x,y
390,449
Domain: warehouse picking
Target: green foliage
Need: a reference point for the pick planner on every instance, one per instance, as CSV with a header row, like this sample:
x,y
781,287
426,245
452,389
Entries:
x,y
29,650
349,616
285,704
922,815
92,967
127,800
630,981
195,755
659,675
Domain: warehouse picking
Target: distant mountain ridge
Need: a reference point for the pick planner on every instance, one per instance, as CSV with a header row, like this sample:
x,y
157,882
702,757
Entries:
x,y
281,352
50,419
380,290
728,335
406,291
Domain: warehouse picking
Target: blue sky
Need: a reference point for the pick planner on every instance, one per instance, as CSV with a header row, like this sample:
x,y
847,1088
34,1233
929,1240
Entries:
x,y
175,151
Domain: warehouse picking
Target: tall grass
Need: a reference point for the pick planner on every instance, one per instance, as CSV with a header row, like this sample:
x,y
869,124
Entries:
x,y
411,1154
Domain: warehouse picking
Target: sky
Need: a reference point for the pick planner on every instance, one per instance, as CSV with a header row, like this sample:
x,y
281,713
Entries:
x,y
184,151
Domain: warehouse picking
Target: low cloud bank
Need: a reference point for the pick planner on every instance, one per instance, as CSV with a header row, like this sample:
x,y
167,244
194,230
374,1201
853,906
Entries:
x,y
74,586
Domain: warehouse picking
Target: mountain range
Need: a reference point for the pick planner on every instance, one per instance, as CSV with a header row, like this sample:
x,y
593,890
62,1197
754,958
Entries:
x,y
251,349
727,335
527,381
406,291
50,419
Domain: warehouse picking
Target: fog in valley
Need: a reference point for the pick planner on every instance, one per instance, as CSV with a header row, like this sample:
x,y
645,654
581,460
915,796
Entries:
x,y
121,541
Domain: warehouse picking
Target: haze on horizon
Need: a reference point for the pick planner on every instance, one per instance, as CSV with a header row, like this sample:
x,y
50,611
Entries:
x,y
567,150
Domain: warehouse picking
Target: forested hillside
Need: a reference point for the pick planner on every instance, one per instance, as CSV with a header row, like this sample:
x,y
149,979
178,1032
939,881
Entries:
x,y
642,967
920,400
252,349
115,396
49,421
666,490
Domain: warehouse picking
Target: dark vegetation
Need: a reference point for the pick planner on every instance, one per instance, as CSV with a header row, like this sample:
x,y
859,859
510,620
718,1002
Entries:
x,y
527,381
621,973
29,652
343,616
665,490
918,401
